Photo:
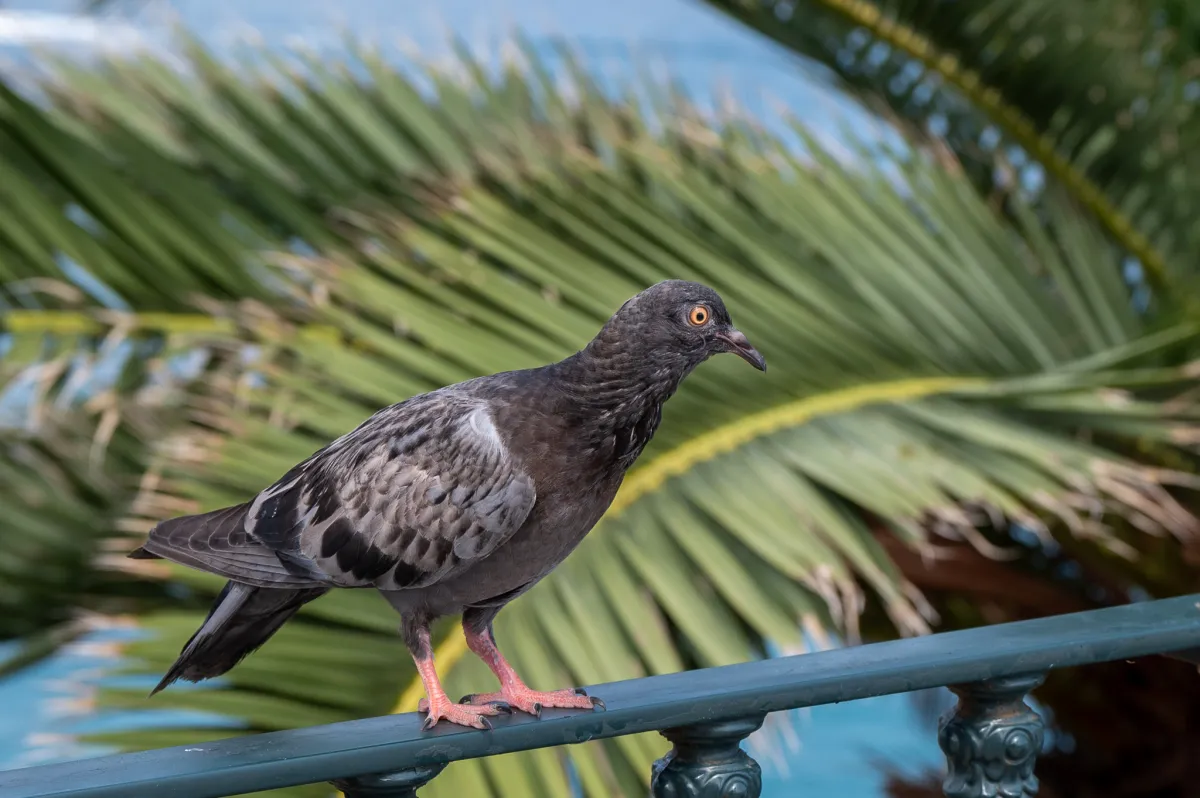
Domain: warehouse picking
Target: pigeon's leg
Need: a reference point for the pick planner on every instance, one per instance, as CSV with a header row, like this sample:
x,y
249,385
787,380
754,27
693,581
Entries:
x,y
477,626
438,705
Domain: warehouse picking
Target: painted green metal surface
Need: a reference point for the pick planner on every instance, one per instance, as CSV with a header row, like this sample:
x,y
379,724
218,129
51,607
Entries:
x,y
396,743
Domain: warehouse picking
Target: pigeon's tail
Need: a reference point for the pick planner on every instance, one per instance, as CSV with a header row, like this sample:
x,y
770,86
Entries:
x,y
241,619
266,588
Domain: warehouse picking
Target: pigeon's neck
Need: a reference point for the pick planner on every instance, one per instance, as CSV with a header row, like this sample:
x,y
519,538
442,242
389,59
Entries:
x,y
616,388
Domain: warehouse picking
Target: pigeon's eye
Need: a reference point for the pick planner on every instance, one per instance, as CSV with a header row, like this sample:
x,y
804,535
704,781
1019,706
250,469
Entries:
x,y
698,316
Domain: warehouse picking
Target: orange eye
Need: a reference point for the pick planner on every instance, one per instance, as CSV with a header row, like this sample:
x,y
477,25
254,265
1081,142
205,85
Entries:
x,y
698,316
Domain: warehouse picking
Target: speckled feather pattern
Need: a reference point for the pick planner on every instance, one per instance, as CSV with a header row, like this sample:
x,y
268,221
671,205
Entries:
x,y
419,491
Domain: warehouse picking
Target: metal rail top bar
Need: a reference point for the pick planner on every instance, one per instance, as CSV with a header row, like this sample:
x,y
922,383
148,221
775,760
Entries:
x,y
395,742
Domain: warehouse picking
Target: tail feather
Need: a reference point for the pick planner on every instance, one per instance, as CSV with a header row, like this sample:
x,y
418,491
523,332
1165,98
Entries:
x,y
241,619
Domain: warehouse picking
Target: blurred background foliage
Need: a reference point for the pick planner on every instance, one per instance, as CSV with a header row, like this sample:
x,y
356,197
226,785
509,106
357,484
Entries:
x,y
981,403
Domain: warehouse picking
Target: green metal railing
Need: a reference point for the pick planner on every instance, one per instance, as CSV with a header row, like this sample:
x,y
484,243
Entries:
x,y
991,738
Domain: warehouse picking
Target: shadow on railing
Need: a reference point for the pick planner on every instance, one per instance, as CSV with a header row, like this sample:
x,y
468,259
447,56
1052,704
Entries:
x,y
991,738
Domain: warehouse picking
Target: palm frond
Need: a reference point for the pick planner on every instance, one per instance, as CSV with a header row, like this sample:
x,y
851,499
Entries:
x,y
936,367
1095,93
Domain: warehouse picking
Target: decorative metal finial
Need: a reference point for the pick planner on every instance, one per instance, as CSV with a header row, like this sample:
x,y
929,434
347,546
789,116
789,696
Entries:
x,y
708,762
402,784
992,739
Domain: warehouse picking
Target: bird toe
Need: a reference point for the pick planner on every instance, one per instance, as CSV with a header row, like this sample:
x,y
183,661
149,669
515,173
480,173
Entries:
x,y
472,715
532,702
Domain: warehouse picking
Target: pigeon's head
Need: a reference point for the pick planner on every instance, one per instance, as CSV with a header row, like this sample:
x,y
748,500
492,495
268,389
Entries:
x,y
683,321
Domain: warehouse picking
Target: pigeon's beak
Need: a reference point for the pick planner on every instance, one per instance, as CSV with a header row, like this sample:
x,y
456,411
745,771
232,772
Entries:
x,y
734,341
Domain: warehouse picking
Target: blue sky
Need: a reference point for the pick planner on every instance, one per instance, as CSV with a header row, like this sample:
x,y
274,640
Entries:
x,y
696,45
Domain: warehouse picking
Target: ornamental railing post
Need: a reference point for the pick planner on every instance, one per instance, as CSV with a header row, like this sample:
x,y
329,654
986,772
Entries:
x,y
707,762
991,739
401,784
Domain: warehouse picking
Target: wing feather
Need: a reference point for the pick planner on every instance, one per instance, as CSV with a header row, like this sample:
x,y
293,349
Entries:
x,y
413,495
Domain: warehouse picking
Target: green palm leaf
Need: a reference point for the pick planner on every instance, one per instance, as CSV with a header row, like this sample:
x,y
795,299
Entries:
x,y
1094,92
932,362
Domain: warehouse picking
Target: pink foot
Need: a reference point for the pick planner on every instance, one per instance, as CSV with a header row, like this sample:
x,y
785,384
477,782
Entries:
x,y
533,701
474,715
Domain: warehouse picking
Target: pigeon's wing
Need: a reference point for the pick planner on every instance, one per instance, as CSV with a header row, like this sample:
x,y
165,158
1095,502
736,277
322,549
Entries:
x,y
217,542
416,493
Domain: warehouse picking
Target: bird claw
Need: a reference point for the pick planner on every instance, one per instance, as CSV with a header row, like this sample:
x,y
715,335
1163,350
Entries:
x,y
500,705
534,702
471,715
596,702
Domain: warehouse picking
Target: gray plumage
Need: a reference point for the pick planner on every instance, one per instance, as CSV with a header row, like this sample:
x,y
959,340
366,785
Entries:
x,y
454,501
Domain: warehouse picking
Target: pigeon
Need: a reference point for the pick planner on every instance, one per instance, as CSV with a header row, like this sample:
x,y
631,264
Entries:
x,y
453,502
